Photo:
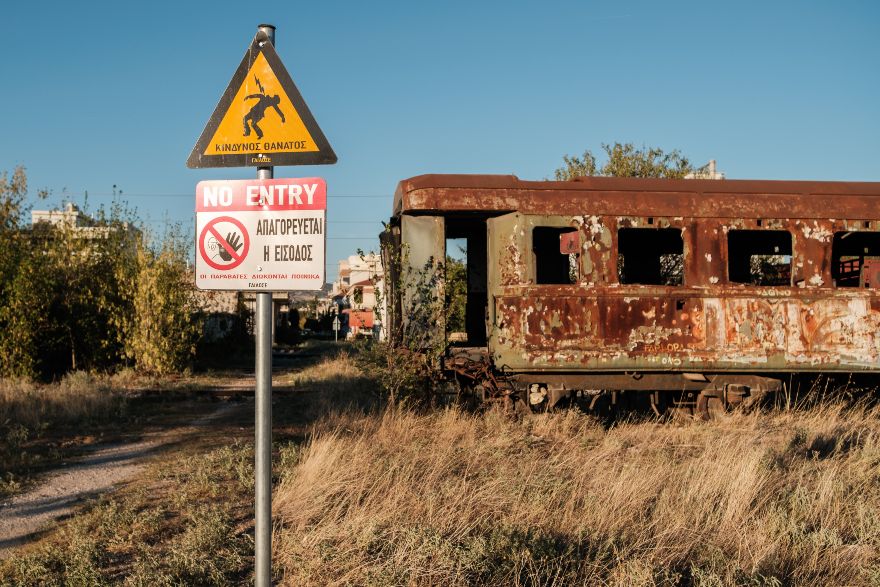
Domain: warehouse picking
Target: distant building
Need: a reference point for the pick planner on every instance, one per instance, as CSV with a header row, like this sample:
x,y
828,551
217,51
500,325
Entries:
x,y
83,226
70,216
355,296
221,310
357,269
707,171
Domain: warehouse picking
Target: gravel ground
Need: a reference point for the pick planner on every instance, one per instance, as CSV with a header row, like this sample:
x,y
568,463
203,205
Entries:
x,y
23,517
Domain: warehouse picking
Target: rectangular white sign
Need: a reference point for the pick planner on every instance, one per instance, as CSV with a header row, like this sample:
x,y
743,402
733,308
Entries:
x,y
261,234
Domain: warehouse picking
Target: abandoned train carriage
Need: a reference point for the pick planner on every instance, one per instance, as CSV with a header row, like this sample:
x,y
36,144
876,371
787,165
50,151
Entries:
x,y
697,291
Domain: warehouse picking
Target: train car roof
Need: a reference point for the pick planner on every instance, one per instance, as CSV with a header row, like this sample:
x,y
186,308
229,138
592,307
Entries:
x,y
628,196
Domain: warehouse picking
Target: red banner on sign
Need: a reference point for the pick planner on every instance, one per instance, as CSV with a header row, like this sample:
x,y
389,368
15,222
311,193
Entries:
x,y
255,195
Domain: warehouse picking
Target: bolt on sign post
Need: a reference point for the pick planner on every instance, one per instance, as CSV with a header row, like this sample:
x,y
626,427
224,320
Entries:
x,y
261,235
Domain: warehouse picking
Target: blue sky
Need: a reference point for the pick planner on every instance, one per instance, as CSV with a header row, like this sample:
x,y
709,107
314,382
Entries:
x,y
97,94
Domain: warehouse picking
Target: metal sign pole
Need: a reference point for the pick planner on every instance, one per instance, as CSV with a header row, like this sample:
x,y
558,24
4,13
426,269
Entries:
x,y
292,144
263,417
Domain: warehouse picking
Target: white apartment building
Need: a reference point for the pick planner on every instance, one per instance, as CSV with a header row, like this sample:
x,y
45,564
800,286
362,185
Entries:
x,y
356,293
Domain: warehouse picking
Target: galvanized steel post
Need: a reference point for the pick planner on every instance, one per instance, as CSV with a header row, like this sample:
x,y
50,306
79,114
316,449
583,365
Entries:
x,y
263,416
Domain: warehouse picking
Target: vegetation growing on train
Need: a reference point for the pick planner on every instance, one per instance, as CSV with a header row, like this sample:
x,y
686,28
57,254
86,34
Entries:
x,y
403,366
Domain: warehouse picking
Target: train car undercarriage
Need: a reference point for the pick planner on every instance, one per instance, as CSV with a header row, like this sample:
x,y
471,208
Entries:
x,y
700,395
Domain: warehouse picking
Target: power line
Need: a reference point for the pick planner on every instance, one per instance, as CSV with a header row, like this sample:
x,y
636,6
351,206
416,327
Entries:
x,y
124,195
329,221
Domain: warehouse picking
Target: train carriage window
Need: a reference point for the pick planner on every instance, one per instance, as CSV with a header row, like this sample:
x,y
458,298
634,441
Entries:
x,y
759,257
552,266
849,252
650,256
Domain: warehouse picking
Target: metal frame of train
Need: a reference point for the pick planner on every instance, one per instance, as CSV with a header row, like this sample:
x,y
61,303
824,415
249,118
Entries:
x,y
693,293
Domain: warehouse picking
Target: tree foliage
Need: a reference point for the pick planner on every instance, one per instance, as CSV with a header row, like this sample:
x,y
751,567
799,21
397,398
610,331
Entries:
x,y
456,295
625,160
92,298
167,322
16,287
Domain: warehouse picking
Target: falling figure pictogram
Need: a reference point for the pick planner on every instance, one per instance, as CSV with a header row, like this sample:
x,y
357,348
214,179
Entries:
x,y
258,112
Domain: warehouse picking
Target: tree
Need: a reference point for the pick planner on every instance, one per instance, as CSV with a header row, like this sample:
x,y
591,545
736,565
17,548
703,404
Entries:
x,y
166,322
12,193
18,290
626,160
90,297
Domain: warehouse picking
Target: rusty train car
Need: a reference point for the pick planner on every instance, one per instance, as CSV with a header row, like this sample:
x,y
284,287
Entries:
x,y
696,294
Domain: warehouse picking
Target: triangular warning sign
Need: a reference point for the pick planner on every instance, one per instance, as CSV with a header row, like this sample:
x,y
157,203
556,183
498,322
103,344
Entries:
x,y
261,120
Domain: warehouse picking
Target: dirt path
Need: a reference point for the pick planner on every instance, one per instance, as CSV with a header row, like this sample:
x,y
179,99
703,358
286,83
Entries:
x,y
24,516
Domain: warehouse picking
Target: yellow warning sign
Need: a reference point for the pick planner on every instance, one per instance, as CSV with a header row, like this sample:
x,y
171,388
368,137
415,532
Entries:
x,y
261,120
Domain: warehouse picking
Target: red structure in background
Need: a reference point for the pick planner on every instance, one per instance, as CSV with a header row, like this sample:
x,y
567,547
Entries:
x,y
360,322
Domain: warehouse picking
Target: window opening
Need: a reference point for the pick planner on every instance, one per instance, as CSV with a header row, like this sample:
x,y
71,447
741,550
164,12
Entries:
x,y
851,254
456,289
466,296
650,256
759,257
551,265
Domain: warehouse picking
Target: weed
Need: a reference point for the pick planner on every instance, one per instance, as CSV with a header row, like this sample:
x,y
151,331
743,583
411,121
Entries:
x,y
207,552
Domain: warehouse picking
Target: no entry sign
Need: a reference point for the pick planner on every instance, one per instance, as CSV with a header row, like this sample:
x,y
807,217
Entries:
x,y
261,235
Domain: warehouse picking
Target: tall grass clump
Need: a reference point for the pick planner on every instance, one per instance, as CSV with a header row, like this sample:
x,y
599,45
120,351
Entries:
x,y
334,385
78,397
451,498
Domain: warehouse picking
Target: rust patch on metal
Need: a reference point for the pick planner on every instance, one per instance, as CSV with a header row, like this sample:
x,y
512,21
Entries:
x,y
598,239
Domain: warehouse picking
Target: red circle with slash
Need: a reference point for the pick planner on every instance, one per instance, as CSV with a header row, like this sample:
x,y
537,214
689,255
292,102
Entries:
x,y
211,229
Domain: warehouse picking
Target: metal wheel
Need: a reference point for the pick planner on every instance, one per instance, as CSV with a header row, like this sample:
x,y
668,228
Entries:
x,y
710,406
718,403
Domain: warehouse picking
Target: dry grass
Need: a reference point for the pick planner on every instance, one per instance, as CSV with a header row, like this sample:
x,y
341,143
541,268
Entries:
x,y
330,387
83,398
78,397
188,519
400,497
339,370
458,499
